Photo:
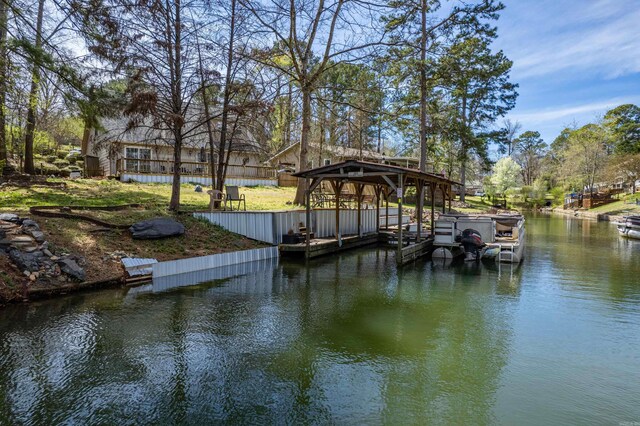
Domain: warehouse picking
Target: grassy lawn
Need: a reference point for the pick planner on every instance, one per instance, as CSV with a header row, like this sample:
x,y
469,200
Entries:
x,y
622,207
91,192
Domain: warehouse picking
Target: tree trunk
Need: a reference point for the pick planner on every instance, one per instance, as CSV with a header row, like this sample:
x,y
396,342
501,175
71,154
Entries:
x,y
207,117
463,179
321,128
4,74
222,146
423,88
174,204
33,97
176,62
304,142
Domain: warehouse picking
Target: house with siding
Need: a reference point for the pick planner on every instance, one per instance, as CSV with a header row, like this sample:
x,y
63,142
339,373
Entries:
x,y
142,155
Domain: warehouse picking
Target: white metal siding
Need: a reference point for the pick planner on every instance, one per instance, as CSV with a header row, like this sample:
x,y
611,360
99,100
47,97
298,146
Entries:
x,y
269,227
202,263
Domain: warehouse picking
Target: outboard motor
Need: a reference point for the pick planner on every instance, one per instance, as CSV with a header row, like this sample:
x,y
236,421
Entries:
x,y
472,242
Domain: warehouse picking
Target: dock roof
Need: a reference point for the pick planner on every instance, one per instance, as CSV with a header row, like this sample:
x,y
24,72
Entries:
x,y
374,174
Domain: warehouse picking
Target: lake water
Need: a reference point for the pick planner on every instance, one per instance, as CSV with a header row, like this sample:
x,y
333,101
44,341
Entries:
x,y
349,339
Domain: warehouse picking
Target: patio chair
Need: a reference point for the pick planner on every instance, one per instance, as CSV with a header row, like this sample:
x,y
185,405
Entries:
x,y
234,195
216,199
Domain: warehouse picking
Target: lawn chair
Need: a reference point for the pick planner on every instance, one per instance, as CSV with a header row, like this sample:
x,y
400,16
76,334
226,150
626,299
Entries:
x,y
217,199
234,195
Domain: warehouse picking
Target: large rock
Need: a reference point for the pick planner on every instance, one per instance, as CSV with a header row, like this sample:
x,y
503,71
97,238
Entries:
x,y
9,217
156,228
26,261
71,268
30,224
37,235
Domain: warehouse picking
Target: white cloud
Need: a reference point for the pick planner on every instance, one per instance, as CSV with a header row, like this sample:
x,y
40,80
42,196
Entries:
x,y
600,37
569,112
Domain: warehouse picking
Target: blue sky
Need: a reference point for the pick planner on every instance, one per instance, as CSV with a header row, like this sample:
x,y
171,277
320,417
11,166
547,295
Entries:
x,y
573,59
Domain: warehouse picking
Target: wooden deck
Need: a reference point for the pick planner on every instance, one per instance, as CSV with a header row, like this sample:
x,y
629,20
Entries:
x,y
324,246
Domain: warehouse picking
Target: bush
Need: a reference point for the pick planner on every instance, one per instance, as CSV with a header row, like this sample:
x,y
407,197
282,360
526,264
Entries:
x,y
48,170
61,163
61,155
72,159
51,159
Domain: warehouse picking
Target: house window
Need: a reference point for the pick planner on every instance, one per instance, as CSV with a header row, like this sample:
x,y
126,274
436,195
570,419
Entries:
x,y
134,158
327,161
202,155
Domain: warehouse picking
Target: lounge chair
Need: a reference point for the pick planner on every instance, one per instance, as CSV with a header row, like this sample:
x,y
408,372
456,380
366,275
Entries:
x,y
233,194
217,199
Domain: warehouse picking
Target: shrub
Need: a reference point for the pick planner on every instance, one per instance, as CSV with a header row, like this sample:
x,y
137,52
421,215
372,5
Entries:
x,y
51,159
61,163
61,155
72,159
48,170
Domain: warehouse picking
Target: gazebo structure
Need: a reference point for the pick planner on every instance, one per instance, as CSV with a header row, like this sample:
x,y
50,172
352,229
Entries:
x,y
385,180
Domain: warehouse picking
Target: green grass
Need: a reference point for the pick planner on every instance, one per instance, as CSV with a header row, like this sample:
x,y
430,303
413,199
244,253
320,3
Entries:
x,y
91,192
476,205
622,207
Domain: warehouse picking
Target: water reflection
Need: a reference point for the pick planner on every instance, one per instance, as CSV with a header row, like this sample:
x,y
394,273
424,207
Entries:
x,y
347,339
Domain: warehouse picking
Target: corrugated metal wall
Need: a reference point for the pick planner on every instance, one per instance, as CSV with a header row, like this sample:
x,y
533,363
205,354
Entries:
x,y
182,266
270,226
149,178
255,225
325,222
249,276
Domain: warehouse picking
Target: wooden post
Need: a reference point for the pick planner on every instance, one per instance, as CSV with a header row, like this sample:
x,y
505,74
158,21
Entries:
x,y
308,220
337,189
433,207
450,193
378,190
401,194
359,188
419,203
386,218
443,189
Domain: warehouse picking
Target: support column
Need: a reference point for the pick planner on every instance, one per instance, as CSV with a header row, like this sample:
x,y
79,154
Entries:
x,y
419,206
386,219
337,189
359,188
378,190
433,207
450,193
401,195
308,220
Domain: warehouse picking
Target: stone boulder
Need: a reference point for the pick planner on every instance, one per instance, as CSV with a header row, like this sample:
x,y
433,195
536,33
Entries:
x,y
9,217
30,224
156,228
26,261
71,268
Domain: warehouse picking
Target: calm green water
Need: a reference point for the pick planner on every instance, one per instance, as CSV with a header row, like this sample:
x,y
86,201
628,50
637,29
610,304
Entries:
x,y
348,340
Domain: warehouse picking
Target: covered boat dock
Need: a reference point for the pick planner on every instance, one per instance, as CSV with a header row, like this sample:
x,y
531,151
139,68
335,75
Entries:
x,y
385,180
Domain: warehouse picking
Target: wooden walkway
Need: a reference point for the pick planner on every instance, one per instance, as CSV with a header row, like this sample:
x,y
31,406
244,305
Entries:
x,y
409,252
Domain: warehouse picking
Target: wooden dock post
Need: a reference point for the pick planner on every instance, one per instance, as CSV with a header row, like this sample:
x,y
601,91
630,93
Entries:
x,y
400,195
419,207
433,207
308,220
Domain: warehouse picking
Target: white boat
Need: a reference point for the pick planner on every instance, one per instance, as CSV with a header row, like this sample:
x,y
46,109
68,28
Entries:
x,y
629,227
498,237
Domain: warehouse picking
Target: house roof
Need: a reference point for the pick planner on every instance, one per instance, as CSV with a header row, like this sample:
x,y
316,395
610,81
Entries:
x,y
340,151
374,174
